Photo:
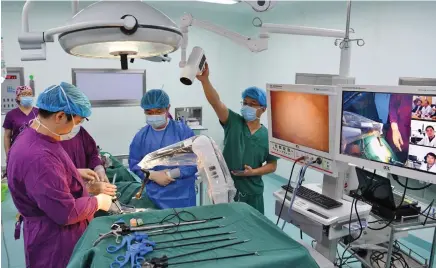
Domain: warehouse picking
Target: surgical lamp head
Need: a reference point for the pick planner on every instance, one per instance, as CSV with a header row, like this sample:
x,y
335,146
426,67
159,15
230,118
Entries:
x,y
108,30
194,66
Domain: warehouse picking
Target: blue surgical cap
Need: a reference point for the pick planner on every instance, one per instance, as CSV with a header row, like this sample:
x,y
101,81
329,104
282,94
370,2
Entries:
x,y
155,99
255,93
64,98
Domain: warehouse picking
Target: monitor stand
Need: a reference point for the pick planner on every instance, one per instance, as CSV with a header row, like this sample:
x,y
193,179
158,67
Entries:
x,y
333,188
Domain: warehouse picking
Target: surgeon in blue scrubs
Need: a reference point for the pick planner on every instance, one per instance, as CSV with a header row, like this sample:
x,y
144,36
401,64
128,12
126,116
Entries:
x,y
161,131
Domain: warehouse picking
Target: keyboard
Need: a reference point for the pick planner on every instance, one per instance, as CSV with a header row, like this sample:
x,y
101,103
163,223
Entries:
x,y
314,197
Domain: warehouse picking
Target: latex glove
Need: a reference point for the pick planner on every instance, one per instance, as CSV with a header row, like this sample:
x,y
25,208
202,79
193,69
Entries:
x,y
204,76
396,136
101,187
88,175
249,171
101,173
104,201
161,178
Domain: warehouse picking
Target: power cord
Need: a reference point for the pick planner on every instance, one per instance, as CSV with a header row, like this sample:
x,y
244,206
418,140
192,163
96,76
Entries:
x,y
353,205
286,192
177,215
397,257
395,177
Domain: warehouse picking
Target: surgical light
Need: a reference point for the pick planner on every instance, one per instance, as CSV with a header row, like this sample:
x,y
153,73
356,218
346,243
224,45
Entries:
x,y
108,30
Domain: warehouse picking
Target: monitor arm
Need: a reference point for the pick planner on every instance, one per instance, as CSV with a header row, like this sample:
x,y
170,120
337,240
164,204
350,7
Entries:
x,y
187,20
253,44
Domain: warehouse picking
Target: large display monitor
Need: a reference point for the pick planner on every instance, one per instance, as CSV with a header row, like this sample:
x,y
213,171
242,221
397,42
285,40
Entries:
x,y
389,128
111,87
301,122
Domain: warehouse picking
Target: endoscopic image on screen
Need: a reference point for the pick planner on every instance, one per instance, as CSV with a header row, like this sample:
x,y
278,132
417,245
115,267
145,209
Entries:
x,y
377,126
423,133
301,118
422,158
424,108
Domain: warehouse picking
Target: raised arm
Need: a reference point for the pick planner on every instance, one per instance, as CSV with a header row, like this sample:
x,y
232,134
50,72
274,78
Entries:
x,y
212,96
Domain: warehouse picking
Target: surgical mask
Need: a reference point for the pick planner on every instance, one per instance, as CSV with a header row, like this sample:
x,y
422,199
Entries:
x,y
62,137
26,101
156,121
249,113
72,133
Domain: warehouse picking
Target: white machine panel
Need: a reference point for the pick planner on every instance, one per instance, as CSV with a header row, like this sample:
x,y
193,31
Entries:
x,y
328,217
14,79
327,166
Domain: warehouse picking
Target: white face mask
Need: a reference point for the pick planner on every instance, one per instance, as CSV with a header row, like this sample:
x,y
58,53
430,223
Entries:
x,y
62,137
73,133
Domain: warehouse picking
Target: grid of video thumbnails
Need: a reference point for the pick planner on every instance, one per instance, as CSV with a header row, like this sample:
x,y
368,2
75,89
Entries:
x,y
392,128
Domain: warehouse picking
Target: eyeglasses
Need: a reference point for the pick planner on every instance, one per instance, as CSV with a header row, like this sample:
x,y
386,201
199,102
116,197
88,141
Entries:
x,y
155,112
253,105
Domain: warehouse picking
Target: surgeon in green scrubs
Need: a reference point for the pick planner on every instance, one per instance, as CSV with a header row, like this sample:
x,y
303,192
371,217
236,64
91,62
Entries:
x,y
245,141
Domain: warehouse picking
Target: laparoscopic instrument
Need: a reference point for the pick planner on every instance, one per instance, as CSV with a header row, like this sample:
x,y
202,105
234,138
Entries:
x,y
121,229
163,261
135,253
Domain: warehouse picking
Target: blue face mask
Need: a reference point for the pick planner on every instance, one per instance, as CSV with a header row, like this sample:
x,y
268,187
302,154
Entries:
x,y
249,113
156,121
26,101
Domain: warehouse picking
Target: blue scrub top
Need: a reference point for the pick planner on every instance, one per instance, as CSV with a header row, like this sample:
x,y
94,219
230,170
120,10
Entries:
x,y
178,194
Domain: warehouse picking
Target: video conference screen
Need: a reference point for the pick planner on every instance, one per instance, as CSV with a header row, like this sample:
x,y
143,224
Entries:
x,y
392,128
301,118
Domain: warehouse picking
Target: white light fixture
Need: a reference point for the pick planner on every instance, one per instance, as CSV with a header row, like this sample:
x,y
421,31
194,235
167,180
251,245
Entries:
x,y
108,29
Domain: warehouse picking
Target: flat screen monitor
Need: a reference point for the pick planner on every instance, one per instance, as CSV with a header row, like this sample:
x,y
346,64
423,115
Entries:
x,y
111,87
389,128
301,120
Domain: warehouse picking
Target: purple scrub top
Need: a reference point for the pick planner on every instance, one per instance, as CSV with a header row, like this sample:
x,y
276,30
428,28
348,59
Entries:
x,y
16,120
82,150
50,195
400,112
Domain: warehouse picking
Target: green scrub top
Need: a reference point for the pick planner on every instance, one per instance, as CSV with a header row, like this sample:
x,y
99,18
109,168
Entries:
x,y
242,148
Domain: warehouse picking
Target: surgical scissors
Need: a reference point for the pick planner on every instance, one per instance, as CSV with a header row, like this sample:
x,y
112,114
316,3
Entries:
x,y
127,240
135,254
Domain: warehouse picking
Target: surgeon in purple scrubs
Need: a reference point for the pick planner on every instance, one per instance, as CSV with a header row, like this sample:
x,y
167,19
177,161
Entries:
x,y
46,187
83,151
17,118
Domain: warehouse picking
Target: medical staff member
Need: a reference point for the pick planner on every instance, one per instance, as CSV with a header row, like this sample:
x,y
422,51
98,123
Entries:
x,y
83,151
429,163
46,187
162,188
17,118
426,111
245,141
429,139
